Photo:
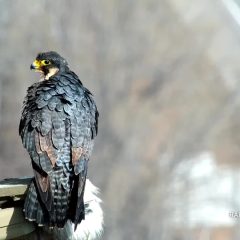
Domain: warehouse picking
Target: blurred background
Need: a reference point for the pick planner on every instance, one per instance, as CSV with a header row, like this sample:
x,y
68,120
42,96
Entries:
x,y
165,75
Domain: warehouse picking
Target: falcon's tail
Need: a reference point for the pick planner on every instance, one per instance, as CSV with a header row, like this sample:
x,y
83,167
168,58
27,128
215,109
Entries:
x,y
60,188
91,228
77,208
35,209
32,208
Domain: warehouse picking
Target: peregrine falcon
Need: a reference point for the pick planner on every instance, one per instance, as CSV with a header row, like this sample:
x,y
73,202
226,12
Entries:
x,y
58,125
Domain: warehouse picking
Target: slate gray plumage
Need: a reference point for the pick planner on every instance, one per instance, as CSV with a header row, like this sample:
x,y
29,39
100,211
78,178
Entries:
x,y
58,124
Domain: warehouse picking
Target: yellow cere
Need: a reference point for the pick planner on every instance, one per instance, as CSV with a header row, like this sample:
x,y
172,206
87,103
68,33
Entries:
x,y
39,63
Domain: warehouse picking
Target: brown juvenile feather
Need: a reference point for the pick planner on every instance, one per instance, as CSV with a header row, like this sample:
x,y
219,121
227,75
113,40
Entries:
x,y
49,149
43,181
76,154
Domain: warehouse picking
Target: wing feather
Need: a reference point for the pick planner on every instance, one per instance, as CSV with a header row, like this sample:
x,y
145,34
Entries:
x,y
58,124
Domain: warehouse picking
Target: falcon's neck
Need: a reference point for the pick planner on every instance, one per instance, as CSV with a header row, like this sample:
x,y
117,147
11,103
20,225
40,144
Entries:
x,y
51,72
46,75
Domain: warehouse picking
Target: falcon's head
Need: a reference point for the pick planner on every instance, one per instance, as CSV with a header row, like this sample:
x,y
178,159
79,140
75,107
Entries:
x,y
48,64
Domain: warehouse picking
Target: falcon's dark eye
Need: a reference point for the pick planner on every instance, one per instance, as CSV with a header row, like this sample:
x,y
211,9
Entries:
x,y
46,62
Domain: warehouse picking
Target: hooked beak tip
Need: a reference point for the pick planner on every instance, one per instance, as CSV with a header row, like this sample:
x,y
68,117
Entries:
x,y
32,67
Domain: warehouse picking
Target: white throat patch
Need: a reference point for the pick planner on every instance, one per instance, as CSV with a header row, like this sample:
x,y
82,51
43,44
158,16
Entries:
x,y
52,71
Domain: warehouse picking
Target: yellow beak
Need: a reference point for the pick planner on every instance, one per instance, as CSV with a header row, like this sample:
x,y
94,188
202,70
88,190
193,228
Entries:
x,y
36,65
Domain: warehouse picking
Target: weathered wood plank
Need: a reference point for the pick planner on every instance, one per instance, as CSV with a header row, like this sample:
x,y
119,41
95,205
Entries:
x,y
14,187
11,216
13,223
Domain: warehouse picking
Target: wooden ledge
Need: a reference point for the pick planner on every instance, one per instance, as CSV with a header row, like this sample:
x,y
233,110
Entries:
x,y
14,187
12,221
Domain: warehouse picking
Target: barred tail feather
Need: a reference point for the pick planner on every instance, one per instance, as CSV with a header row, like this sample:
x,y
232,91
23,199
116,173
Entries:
x,y
60,198
32,209
80,182
91,227
80,208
